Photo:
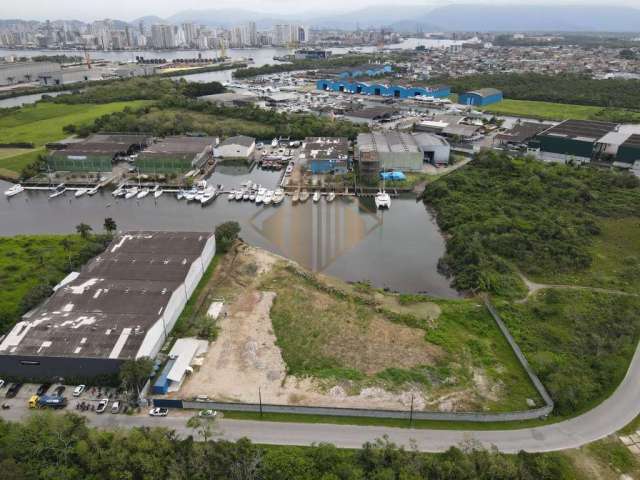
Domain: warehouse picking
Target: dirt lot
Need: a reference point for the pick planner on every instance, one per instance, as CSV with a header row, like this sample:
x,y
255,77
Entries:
x,y
247,355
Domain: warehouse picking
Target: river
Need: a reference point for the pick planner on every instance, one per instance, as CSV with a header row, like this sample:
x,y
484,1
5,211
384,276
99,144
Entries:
x,y
398,249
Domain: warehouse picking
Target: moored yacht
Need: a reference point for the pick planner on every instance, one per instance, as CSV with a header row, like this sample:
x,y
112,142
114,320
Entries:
x,y
14,190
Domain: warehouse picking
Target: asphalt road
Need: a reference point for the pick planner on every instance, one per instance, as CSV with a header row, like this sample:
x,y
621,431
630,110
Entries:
x,y
610,416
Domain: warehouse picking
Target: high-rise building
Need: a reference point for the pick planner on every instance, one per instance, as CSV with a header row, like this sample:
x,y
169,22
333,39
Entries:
x,y
190,33
162,36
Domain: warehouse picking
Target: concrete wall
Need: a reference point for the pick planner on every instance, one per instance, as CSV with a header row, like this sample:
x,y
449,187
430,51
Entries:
x,y
25,72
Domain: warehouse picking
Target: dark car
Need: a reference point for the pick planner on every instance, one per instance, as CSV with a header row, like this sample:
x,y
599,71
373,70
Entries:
x,y
59,390
13,390
42,389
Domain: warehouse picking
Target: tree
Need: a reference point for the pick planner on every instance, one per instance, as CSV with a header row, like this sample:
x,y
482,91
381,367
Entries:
x,y
134,374
110,225
203,426
226,234
83,229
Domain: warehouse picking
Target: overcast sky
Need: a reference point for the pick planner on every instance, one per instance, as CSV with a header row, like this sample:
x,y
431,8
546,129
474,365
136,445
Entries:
x,y
130,9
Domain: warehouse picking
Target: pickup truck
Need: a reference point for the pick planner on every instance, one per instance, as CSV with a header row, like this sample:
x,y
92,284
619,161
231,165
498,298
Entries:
x,y
47,401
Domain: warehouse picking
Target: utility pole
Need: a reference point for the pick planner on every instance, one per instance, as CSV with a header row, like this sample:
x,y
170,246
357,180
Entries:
x,y
411,412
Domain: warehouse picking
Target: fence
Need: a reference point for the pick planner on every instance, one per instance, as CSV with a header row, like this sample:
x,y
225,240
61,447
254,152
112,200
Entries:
x,y
396,414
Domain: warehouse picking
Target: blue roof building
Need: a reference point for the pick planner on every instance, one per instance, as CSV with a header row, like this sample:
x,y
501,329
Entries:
x,y
366,71
379,89
480,98
161,386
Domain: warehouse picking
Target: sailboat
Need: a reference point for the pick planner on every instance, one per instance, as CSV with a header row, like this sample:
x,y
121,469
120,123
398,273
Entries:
x,y
143,193
16,189
132,192
59,190
157,191
80,192
93,191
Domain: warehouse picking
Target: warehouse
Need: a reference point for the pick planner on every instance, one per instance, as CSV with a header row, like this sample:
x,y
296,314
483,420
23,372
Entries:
x,y
326,154
231,99
393,150
378,89
371,115
520,134
176,154
121,306
629,150
435,150
97,153
481,97
73,75
240,147
577,140
21,72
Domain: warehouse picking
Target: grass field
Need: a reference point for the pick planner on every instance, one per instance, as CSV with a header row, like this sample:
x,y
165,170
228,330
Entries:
x,y
51,256
364,337
616,258
42,123
544,110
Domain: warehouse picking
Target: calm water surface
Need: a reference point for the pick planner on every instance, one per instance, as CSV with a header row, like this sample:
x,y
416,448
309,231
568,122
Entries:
x,y
348,238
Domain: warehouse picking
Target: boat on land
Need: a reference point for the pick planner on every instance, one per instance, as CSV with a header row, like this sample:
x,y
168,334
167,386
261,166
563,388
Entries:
x,y
316,196
91,192
14,190
80,192
383,200
132,192
268,197
304,196
59,190
143,193
157,191
331,197
278,196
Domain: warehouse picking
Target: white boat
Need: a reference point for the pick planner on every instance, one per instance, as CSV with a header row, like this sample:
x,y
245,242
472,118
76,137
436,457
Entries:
x,y
59,190
268,197
288,171
80,192
157,191
179,195
232,195
316,196
260,195
132,192
383,200
296,197
239,194
252,196
246,195
274,142
304,196
93,190
143,193
331,197
208,196
278,196
119,192
14,190
190,195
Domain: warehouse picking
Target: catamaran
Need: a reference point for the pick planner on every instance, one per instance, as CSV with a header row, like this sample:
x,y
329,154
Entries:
x,y
383,200
16,189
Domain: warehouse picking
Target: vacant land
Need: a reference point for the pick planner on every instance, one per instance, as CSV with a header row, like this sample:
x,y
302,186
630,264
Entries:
x,y
616,258
544,110
43,122
51,256
307,339
579,342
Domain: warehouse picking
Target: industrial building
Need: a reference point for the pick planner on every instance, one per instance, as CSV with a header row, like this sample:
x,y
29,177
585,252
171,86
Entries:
x,y
231,99
178,366
378,89
481,97
24,72
240,147
577,140
393,150
176,154
435,149
121,306
74,75
371,115
97,153
369,70
520,134
629,150
326,154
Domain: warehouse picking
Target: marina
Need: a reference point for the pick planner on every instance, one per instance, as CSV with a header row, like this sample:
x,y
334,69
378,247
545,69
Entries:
x,y
345,236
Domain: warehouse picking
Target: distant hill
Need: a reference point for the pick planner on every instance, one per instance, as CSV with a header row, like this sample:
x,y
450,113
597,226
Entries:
x,y
148,20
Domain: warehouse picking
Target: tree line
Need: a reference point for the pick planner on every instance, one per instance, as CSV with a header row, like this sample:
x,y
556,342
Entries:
x,y
62,447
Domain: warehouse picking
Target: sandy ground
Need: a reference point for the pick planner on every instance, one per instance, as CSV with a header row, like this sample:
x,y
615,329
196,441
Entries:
x,y
245,359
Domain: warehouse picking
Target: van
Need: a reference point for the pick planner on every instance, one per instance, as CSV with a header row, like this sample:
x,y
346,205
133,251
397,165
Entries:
x,y
115,407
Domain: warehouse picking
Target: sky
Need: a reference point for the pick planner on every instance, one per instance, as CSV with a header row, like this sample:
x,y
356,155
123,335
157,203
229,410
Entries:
x,y
131,9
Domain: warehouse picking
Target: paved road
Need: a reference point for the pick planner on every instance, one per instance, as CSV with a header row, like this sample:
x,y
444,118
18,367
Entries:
x,y
613,414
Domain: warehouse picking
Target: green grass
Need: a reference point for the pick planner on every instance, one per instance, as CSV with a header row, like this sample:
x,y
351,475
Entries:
x,y
613,453
336,335
22,256
544,110
616,258
13,165
579,342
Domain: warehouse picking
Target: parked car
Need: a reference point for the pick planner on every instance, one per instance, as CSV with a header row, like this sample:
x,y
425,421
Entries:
x,y
158,412
42,389
59,390
208,413
79,390
13,390
102,405
115,407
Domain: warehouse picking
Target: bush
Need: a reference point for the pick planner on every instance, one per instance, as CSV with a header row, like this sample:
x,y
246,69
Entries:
x,y
226,234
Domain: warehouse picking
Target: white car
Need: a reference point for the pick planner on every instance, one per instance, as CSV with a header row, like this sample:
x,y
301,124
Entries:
x,y
158,412
102,405
79,390
208,413
115,407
